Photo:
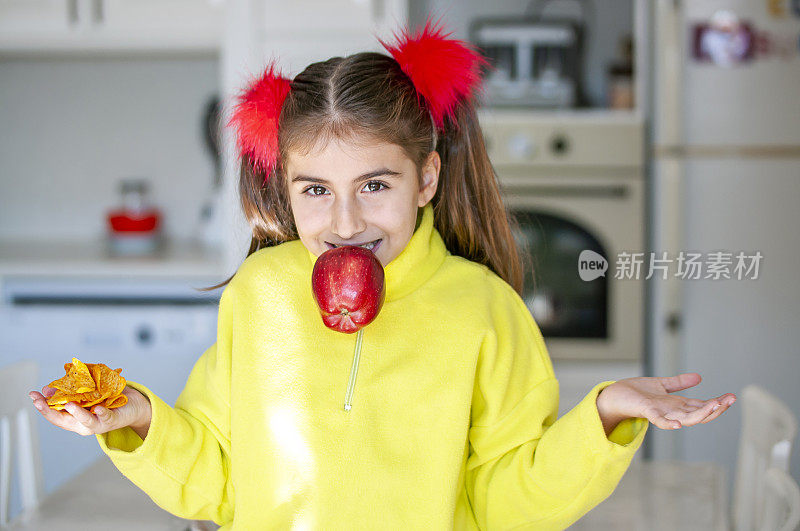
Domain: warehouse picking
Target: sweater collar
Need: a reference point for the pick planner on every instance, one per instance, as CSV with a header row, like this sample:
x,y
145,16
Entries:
x,y
420,259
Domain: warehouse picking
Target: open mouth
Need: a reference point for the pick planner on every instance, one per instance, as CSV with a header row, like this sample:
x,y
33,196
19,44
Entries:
x,y
372,246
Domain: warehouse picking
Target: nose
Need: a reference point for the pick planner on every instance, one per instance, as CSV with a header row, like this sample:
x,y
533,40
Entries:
x,y
348,220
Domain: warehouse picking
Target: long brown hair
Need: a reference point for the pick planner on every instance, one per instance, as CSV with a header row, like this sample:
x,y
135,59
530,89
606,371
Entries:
x,y
367,97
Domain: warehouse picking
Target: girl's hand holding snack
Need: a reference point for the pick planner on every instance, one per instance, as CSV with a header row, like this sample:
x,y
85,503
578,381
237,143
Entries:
x,y
648,397
112,403
136,413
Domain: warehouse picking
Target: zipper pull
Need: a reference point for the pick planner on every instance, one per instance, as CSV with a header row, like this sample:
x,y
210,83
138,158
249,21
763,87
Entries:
x,y
353,371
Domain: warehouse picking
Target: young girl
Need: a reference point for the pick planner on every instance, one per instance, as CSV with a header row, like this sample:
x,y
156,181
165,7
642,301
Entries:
x,y
453,420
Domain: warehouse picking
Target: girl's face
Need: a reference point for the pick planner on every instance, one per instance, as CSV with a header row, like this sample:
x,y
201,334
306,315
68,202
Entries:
x,y
345,194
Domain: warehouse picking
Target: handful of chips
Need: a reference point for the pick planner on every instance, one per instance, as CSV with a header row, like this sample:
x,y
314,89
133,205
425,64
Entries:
x,y
88,385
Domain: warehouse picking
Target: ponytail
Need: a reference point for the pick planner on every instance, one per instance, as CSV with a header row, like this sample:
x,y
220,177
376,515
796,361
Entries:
x,y
468,208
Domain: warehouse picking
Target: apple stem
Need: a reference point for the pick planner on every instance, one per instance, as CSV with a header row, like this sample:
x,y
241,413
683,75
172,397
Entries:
x,y
353,372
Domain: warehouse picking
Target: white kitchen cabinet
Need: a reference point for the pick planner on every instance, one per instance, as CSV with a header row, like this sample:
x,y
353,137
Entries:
x,y
301,32
295,54
97,26
324,15
51,16
196,21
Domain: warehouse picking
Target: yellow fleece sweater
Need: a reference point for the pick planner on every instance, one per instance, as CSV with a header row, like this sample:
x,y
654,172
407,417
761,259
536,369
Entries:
x,y
453,423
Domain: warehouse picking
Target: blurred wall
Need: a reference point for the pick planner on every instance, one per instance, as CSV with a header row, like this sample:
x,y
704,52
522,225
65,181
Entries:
x,y
72,128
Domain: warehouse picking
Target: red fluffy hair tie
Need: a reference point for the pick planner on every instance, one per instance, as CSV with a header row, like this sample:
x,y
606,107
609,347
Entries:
x,y
442,70
256,116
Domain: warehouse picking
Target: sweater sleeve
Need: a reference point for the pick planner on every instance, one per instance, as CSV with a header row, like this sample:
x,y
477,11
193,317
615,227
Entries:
x,y
184,461
527,470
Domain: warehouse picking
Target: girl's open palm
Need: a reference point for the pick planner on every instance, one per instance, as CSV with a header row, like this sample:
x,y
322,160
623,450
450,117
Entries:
x,y
651,398
81,421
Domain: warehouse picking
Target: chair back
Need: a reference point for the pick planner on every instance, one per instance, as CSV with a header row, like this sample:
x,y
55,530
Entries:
x,y
768,431
19,443
781,502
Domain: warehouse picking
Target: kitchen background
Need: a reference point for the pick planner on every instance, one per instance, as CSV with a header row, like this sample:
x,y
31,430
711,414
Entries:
x,y
622,133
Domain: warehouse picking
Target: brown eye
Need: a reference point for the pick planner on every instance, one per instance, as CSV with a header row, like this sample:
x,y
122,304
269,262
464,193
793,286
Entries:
x,y
375,186
314,190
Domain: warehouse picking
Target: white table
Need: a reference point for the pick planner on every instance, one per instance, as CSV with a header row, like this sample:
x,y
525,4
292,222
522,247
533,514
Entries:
x,y
651,496
75,505
664,495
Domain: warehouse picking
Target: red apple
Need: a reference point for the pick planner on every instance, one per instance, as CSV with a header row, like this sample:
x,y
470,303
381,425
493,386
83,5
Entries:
x,y
348,286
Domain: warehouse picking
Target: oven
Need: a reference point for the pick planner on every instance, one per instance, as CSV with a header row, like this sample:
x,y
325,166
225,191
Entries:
x,y
575,184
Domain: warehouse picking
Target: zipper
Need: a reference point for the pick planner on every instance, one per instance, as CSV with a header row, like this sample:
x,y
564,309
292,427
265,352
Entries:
x,y
351,385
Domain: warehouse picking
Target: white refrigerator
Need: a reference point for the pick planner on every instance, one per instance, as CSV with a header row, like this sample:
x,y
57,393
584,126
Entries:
x,y
725,178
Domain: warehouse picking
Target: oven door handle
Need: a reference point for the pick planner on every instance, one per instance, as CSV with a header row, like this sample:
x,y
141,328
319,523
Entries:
x,y
604,191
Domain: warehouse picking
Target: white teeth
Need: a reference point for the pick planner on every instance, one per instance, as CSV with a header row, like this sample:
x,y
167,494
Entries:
x,y
370,245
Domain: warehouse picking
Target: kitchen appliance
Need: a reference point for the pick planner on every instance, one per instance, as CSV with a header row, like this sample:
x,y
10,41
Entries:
x,y
155,330
620,84
575,183
534,62
210,224
726,178
134,227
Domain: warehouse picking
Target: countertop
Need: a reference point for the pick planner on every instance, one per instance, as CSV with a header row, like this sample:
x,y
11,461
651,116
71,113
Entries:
x,y
92,258
650,496
100,499
664,495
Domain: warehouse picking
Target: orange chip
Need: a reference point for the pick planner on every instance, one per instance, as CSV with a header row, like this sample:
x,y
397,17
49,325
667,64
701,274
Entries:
x,y
118,401
105,377
59,398
77,380
102,386
111,402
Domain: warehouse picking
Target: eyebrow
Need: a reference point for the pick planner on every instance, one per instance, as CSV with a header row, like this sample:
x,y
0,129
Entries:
x,y
365,177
